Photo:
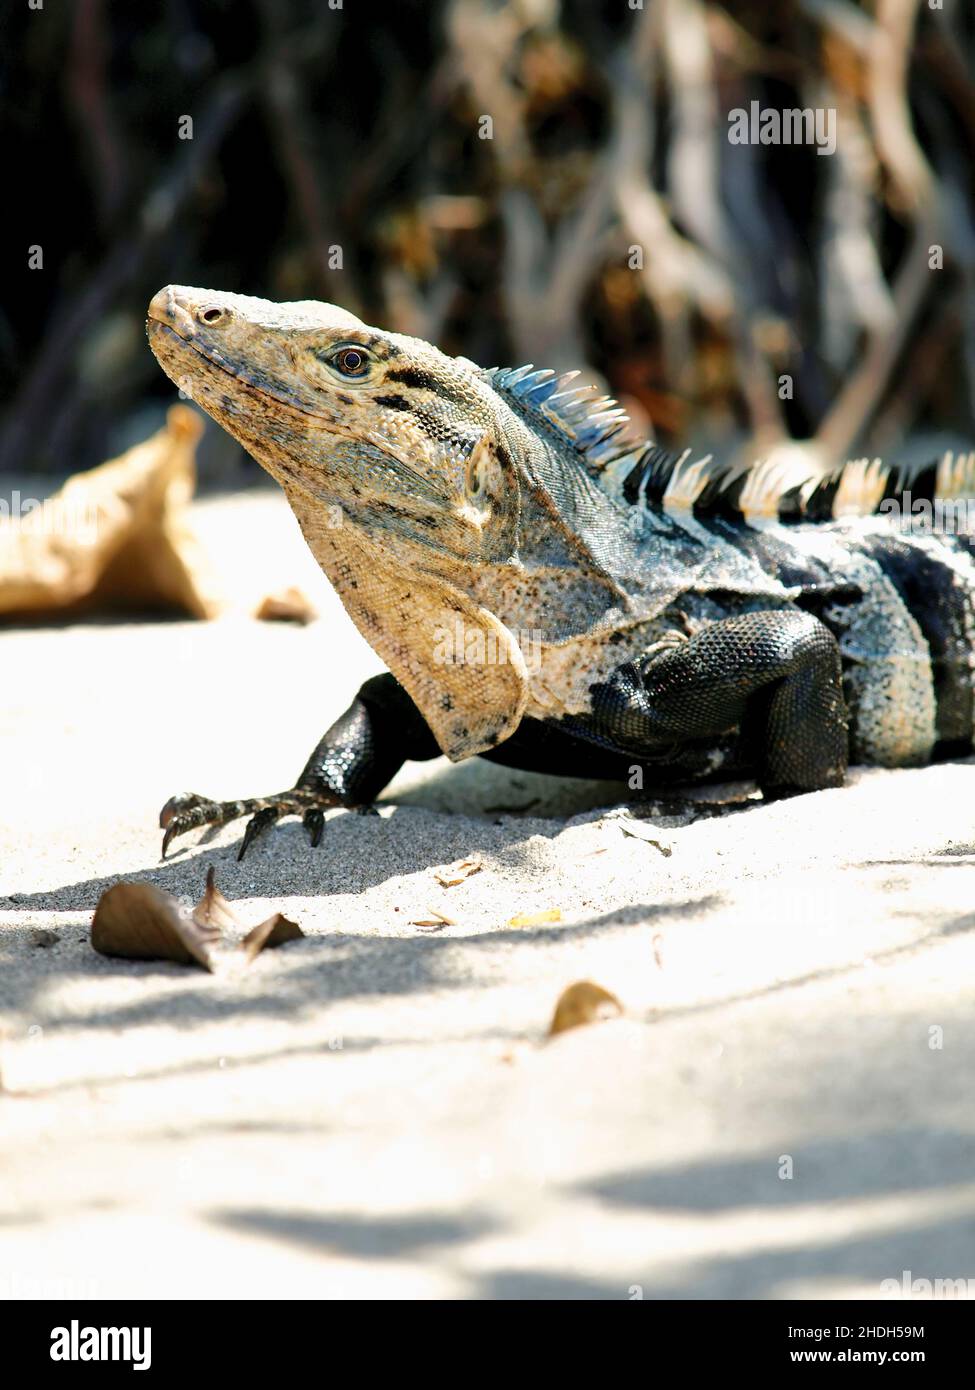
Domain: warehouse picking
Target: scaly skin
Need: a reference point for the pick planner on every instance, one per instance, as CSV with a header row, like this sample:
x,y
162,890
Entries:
x,y
548,593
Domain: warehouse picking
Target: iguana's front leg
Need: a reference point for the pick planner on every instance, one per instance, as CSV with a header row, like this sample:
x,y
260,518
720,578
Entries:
x,y
774,675
361,752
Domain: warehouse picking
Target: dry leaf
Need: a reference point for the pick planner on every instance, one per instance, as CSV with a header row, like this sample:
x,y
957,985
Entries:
x,y
582,1003
537,919
213,909
286,606
140,922
115,536
433,922
273,932
455,873
638,831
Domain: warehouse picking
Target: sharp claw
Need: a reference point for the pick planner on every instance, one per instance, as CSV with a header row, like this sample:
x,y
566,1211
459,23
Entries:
x,y
184,812
178,824
258,822
314,822
172,830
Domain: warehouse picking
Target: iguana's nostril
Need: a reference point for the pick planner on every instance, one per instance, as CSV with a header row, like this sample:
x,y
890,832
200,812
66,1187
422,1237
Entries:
x,y
211,314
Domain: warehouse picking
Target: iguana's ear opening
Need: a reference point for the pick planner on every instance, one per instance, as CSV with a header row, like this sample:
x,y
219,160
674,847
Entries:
x,y
462,667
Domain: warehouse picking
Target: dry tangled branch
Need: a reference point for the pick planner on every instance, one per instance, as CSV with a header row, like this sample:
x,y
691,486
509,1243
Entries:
x,y
519,180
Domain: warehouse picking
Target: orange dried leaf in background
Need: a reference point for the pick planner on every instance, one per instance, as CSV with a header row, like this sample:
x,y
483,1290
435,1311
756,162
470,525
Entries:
x,y
140,922
583,1003
114,537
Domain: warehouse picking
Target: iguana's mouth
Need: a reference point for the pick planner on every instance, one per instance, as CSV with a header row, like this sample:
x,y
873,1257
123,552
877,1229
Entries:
x,y
155,329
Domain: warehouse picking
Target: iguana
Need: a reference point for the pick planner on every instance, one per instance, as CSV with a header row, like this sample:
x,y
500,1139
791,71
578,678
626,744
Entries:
x,y
553,595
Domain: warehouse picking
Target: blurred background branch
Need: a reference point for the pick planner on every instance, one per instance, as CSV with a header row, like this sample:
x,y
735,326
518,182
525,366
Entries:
x,y
533,180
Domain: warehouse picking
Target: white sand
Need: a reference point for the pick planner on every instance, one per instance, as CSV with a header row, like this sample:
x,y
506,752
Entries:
x,y
373,1112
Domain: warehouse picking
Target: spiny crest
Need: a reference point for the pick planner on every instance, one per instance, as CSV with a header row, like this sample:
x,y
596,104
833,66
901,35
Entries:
x,y
673,481
595,425
786,487
956,475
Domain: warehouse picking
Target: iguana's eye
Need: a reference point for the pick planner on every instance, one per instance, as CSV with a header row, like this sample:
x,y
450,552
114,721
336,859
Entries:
x,y
351,362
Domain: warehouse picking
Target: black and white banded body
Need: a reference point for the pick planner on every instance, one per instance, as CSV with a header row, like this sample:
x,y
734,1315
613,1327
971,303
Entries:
x,y
897,593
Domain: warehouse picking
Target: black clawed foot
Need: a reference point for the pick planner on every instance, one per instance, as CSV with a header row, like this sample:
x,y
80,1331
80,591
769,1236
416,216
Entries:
x,y
188,811
314,822
258,822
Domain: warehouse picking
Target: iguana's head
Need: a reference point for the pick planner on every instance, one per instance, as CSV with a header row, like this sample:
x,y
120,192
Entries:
x,y
392,460
386,430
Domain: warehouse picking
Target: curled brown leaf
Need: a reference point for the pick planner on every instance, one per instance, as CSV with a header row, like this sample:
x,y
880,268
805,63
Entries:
x,y
583,1002
213,909
275,931
140,922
